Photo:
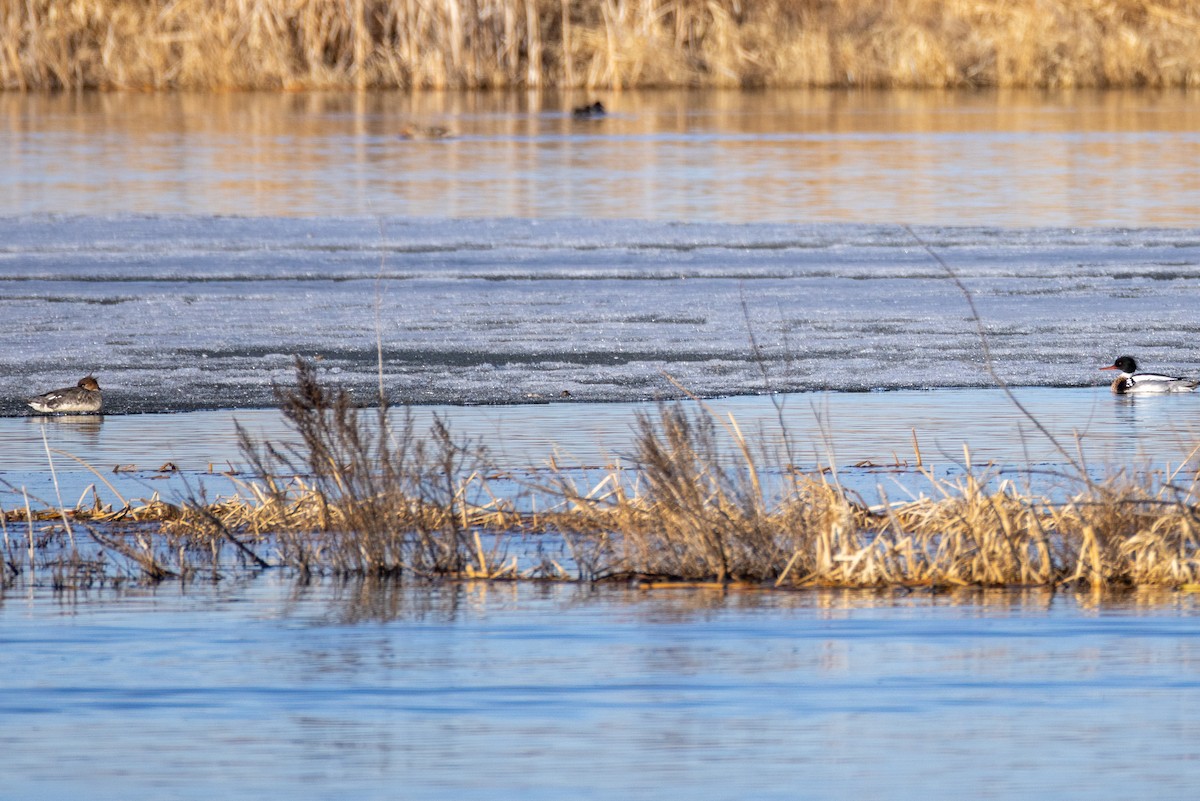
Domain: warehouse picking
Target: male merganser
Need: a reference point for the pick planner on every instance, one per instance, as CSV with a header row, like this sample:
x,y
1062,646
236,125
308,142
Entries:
x,y
1130,381
83,398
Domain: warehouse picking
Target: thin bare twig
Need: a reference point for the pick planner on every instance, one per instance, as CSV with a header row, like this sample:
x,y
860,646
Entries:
x,y
988,363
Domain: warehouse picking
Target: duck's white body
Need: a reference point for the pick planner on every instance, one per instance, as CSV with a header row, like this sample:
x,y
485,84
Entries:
x,y
1131,382
83,398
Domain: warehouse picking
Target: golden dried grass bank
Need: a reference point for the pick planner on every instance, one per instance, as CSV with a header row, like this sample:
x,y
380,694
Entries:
x,y
610,44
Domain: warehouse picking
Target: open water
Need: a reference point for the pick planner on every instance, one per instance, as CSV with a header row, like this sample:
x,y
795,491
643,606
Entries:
x,y
267,688
539,280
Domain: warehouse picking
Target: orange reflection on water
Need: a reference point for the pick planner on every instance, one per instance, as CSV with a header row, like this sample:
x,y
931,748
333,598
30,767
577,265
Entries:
x,y
989,158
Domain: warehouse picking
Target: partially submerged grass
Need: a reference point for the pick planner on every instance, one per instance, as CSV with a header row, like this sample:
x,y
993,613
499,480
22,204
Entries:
x,y
363,493
692,516
688,510
306,44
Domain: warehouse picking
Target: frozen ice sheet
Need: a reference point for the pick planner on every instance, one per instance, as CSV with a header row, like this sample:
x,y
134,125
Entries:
x,y
184,313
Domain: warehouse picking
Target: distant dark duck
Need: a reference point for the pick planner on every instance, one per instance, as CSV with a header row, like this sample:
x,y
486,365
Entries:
x,y
1130,381
594,111
83,398
424,132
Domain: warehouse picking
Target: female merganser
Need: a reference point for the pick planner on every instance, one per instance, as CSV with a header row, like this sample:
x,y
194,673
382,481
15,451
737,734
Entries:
x,y
425,132
83,398
1130,381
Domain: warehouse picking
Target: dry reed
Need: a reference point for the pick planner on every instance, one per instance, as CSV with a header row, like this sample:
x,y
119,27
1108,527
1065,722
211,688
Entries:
x,y
694,514
372,496
418,44
365,494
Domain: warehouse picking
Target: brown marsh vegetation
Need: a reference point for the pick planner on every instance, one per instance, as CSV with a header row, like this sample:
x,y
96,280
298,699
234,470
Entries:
x,y
363,494
610,44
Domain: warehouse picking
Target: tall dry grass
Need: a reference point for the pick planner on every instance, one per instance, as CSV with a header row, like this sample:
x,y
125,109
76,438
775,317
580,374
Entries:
x,y
363,493
697,513
460,44
367,494
689,508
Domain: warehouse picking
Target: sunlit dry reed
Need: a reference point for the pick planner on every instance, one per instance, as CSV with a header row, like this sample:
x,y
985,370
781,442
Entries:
x,y
375,495
302,44
692,513
364,493
690,510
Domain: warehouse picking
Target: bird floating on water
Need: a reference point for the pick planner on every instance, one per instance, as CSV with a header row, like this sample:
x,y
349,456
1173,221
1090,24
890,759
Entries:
x,y
83,398
1130,381
589,112
424,132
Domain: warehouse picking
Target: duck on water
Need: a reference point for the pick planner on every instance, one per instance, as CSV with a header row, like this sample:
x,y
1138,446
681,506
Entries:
x,y
593,111
1129,381
83,398
425,132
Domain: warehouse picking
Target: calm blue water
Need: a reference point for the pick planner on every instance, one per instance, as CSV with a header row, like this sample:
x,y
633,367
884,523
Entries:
x,y
869,437
267,688
185,247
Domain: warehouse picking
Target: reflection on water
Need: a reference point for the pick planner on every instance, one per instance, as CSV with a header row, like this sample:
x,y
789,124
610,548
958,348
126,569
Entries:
x,y
84,427
268,688
1128,158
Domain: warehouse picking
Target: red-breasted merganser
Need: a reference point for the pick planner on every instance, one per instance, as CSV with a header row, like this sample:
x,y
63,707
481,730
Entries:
x,y
590,112
425,132
1130,381
83,398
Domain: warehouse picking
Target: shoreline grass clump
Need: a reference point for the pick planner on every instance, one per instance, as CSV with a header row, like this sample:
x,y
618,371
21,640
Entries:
x,y
686,509
691,514
594,44
362,493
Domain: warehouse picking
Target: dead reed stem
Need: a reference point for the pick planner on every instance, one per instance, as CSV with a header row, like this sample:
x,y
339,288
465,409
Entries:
x,y
370,495
364,493
612,44
57,491
696,514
